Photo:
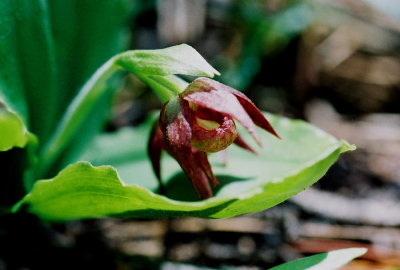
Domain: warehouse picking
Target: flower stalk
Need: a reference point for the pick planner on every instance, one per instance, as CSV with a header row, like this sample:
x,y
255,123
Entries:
x,y
155,67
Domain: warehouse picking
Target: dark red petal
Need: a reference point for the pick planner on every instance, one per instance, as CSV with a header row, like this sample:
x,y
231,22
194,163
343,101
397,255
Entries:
x,y
208,95
241,143
174,122
202,160
195,164
175,125
154,148
255,114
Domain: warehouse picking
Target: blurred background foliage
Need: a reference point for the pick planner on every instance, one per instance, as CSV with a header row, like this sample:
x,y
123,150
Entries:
x,y
332,62
284,53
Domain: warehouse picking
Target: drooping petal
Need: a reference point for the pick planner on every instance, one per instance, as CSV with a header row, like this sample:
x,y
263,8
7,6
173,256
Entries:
x,y
193,166
154,149
241,143
252,110
196,166
255,114
176,127
206,93
202,160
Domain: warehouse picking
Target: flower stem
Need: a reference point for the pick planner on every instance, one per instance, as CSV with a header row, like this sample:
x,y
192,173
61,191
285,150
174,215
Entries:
x,y
165,87
76,114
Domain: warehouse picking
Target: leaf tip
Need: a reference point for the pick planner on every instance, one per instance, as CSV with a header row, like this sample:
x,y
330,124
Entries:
x,y
215,72
346,146
360,251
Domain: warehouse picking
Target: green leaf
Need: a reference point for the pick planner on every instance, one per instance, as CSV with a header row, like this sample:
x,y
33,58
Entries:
x,y
325,261
36,61
249,183
84,40
82,191
15,161
11,86
47,51
49,48
27,72
180,59
12,129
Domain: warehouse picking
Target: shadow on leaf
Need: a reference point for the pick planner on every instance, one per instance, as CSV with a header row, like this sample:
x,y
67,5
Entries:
x,y
180,188
151,213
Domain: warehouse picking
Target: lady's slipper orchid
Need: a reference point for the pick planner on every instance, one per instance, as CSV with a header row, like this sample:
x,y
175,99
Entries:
x,y
201,120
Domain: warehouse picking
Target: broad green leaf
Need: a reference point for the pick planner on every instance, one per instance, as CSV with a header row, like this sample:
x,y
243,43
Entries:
x,y
13,132
11,86
180,59
81,191
325,261
27,73
48,49
37,64
16,163
84,40
249,183
17,155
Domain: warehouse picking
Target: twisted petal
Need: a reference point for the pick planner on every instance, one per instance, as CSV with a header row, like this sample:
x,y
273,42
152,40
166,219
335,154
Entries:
x,y
207,94
202,160
175,124
154,148
241,143
196,166
255,114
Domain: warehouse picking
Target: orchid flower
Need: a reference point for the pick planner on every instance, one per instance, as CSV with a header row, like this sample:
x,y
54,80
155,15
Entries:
x,y
200,120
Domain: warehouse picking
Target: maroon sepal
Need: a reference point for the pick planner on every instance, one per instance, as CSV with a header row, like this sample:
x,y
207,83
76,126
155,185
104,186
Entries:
x,y
200,120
